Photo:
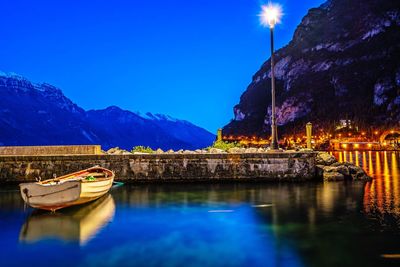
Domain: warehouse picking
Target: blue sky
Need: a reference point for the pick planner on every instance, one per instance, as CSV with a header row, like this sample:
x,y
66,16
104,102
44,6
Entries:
x,y
191,59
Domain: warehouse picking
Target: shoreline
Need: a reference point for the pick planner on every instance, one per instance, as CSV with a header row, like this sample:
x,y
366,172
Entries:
x,y
282,166
278,166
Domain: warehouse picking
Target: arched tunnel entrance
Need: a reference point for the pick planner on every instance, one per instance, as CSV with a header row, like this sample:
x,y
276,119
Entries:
x,y
390,137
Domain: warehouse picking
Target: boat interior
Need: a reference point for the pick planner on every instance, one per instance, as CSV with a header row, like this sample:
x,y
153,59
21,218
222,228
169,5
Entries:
x,y
90,175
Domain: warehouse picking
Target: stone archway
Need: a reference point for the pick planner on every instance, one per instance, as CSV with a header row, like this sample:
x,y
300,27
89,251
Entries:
x,y
386,133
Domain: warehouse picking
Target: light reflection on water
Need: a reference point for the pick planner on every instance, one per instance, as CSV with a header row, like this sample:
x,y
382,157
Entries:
x,y
382,194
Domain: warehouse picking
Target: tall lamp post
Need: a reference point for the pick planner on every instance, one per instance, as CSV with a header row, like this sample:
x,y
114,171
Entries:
x,y
270,16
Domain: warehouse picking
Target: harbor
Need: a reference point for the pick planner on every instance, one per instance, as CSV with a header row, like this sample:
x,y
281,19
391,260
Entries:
x,y
279,166
200,133
234,224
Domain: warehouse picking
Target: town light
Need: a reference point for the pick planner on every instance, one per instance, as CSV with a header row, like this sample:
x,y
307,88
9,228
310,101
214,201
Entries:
x,y
271,15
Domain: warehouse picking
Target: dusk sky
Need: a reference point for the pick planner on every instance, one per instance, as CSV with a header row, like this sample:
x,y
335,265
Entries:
x,y
188,59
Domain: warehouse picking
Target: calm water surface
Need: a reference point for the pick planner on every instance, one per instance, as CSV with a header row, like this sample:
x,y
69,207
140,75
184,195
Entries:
x,y
314,224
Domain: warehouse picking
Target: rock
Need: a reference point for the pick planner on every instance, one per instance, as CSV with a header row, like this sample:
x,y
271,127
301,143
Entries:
x,y
343,170
251,150
319,171
112,150
216,151
180,151
117,151
357,173
340,171
159,151
261,150
324,158
235,150
353,169
336,164
361,176
170,151
333,176
329,168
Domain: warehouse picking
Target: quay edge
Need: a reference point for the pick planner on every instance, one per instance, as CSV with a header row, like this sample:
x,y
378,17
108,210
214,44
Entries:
x,y
278,166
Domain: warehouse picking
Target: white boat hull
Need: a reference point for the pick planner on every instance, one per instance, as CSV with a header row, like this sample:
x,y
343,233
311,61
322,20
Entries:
x,y
56,194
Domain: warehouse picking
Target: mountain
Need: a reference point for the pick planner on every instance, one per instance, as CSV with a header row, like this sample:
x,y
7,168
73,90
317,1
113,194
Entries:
x,y
342,63
40,114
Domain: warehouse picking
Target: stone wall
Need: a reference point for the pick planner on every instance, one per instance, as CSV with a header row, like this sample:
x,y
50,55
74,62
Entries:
x,y
281,166
51,150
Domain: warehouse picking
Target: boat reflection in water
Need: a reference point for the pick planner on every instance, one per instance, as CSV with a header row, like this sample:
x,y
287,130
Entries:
x,y
75,224
382,194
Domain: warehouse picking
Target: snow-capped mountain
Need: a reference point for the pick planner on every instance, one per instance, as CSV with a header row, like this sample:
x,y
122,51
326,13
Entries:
x,y
40,114
342,63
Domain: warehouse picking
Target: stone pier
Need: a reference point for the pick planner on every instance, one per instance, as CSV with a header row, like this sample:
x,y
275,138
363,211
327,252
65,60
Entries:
x,y
279,166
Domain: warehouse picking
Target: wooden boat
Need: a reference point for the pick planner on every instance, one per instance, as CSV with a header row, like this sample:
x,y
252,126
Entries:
x,y
76,224
68,190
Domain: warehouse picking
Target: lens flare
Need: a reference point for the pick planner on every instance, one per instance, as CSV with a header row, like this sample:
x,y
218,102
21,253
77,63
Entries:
x,y
271,14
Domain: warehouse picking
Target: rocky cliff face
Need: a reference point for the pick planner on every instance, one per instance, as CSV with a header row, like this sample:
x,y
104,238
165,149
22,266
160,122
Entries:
x,y
342,63
40,114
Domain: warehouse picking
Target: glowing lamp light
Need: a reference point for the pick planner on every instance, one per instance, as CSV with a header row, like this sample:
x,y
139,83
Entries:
x,y
356,145
271,15
344,146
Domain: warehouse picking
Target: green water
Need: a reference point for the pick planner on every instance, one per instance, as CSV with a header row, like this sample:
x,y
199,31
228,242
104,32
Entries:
x,y
313,224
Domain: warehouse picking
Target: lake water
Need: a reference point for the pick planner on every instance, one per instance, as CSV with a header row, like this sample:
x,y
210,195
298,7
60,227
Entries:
x,y
313,224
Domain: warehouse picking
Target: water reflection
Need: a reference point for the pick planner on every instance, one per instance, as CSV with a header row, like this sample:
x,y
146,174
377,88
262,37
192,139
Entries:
x,y
75,224
312,224
381,195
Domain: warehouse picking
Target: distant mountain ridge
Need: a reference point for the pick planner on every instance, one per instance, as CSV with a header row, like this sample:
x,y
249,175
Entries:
x,y
40,114
342,63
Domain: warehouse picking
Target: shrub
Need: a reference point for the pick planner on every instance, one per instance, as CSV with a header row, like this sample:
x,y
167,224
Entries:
x,y
224,145
142,149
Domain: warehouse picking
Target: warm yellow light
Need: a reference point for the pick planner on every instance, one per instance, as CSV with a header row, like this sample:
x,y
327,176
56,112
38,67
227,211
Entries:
x,y
271,15
356,145
344,145
369,145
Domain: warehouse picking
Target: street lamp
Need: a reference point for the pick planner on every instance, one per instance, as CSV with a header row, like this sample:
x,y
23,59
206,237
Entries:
x,y
270,16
